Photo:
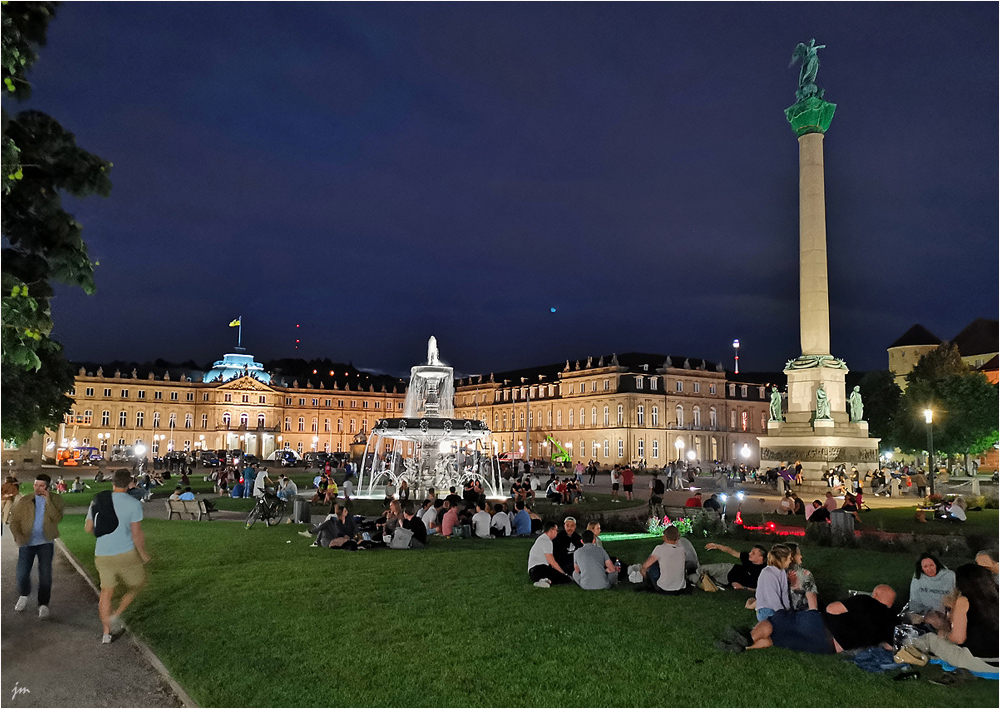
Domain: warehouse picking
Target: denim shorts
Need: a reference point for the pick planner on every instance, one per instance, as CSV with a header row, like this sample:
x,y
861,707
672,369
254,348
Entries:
x,y
764,613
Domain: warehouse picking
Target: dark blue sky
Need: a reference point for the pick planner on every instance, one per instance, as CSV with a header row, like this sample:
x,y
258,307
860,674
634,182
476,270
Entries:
x,y
379,173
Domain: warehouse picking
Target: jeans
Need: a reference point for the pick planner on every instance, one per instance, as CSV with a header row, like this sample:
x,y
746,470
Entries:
x,y
25,560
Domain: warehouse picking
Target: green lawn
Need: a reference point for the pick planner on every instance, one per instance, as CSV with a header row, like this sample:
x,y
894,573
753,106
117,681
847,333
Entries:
x,y
257,618
901,519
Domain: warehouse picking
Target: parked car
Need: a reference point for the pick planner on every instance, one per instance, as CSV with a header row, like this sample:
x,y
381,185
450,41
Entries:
x,y
284,457
208,459
317,459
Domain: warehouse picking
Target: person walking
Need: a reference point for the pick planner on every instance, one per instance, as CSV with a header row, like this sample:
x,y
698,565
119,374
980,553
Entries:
x,y
115,518
34,522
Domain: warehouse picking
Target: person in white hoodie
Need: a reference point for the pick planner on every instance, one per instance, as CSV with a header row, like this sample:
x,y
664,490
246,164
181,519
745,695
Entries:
x,y
930,584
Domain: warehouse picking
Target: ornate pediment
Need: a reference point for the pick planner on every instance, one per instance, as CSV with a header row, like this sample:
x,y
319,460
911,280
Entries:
x,y
245,383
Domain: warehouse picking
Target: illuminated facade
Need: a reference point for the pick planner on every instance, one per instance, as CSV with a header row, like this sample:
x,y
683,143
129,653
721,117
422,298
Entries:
x,y
620,409
614,409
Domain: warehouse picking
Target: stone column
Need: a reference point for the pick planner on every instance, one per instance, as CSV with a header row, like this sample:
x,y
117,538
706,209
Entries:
x,y
814,298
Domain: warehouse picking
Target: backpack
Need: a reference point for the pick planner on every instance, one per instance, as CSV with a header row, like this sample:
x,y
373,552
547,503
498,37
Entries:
x,y
658,487
401,538
104,516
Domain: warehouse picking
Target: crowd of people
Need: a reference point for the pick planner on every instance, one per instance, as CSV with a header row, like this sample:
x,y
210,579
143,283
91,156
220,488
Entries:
x,y
950,615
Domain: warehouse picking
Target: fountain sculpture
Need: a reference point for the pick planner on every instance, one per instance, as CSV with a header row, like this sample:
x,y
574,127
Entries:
x,y
428,447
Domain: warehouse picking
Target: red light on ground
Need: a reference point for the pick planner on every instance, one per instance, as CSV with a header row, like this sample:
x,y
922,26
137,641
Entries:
x,y
739,518
771,526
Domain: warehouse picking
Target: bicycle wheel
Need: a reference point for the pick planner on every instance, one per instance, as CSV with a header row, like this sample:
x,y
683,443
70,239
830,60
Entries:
x,y
277,515
254,516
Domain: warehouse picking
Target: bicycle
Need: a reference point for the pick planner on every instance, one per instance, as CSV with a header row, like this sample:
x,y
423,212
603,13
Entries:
x,y
269,508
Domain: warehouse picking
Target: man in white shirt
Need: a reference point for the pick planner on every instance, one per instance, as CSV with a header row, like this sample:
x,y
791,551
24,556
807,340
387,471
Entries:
x,y
260,482
430,518
481,522
500,524
668,561
543,568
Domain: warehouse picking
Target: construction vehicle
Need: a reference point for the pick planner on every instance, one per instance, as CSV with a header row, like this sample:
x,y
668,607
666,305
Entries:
x,y
559,454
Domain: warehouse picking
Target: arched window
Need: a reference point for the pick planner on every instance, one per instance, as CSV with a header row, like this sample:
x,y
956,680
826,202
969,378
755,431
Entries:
x,y
713,418
640,416
607,448
188,420
679,412
593,415
260,420
340,425
696,416
226,418
607,417
621,415
559,418
244,419
123,419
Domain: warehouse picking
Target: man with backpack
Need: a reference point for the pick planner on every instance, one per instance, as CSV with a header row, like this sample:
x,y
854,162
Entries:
x,y
656,490
115,518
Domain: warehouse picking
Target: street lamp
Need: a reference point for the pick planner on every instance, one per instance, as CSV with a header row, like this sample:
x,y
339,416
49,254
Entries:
x,y
745,451
679,445
929,420
736,354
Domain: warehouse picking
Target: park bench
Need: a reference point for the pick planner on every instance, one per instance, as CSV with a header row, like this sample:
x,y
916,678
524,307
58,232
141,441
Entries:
x,y
195,508
674,512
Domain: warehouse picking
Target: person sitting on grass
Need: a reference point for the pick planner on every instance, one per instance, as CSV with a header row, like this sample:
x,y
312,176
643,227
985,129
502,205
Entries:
x,y
415,525
522,521
593,569
325,531
772,585
450,519
543,569
500,523
930,584
345,532
664,569
287,489
565,545
742,575
481,521
987,558
552,493
851,506
431,517
953,511
817,512
970,642
387,523
77,485
802,590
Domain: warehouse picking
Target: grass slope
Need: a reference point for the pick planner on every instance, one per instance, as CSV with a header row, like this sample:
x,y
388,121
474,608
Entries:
x,y
257,618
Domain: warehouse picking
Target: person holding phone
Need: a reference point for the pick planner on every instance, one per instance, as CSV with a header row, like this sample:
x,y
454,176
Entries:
x,y
34,522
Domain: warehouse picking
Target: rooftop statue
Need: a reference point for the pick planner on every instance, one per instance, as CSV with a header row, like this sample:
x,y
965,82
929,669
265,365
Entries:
x,y
806,53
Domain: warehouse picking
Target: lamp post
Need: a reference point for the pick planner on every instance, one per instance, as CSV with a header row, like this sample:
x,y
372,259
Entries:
x,y
736,354
679,445
929,420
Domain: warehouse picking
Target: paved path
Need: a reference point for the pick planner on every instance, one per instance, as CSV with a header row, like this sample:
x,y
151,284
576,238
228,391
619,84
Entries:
x,y
60,662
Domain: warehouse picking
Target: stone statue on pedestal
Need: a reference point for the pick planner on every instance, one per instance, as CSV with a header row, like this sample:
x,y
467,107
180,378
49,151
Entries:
x,y
856,406
822,404
775,404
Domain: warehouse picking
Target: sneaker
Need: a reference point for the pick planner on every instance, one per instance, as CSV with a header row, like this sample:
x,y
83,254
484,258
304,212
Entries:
x,y
116,625
43,612
106,639
305,534
21,604
543,583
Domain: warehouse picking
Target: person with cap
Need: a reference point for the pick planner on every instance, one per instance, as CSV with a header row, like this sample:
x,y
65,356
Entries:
x,y
34,522
565,545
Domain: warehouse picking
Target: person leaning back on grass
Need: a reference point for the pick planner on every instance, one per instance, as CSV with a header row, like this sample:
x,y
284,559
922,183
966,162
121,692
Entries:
x,y
120,554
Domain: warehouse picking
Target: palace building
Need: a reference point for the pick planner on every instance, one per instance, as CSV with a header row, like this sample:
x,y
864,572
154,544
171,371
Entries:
x,y
613,409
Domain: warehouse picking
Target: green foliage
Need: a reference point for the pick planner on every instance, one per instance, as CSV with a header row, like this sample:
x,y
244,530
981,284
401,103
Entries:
x,y
42,242
459,624
881,396
963,401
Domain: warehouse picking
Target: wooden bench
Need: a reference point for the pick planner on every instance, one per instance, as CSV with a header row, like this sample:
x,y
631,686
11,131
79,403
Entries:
x,y
195,508
683,512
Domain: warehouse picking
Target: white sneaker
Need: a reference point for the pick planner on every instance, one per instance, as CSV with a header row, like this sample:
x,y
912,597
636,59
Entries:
x,y
21,604
116,625
543,583
305,534
106,639
43,612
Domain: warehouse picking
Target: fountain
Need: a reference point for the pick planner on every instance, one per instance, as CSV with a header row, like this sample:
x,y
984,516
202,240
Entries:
x,y
428,447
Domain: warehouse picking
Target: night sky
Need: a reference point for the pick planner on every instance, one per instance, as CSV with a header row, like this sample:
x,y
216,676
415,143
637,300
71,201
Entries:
x,y
379,173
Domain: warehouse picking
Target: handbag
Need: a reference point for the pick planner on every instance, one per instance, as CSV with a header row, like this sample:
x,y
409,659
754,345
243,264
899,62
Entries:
x,y
707,584
401,538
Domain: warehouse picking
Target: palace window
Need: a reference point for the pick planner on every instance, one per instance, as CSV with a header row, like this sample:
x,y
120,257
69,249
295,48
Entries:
x,y
593,385
124,393
621,448
326,425
744,421
696,416
713,418
204,420
621,415
607,385
246,398
188,421
641,448
732,419
288,423
743,391
302,423
107,392
340,425
656,450
314,425
607,448
697,387
122,419
139,419
638,382
640,415
559,418
227,397
173,396
571,417
105,418
354,425
711,388
190,396
679,413
141,394
655,415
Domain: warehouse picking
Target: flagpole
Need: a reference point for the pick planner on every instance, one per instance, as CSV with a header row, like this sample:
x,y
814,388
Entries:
x,y
239,336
